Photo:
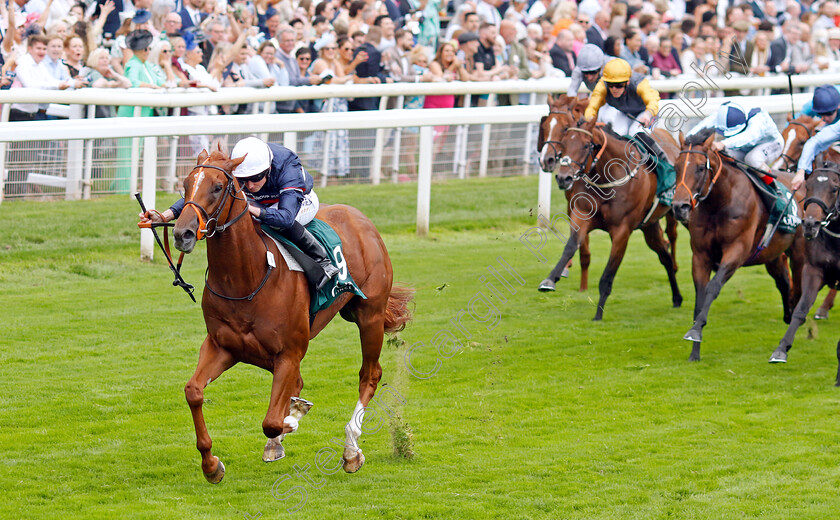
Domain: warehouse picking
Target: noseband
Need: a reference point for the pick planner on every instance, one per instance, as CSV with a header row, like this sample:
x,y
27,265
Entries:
x,y
697,198
205,220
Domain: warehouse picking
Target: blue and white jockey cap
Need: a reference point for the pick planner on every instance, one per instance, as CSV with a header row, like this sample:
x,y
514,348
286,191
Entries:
x,y
731,119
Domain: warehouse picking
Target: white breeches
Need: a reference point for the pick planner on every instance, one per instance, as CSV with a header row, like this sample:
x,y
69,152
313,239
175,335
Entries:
x,y
763,154
621,124
308,208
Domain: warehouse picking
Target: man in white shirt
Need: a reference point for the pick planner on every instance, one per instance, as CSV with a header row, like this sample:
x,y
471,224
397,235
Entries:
x,y
33,73
52,61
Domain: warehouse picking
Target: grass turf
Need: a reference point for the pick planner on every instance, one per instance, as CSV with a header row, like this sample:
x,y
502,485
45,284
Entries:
x,y
540,414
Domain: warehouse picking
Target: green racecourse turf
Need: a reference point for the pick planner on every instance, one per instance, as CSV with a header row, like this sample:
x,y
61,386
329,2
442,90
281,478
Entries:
x,y
549,415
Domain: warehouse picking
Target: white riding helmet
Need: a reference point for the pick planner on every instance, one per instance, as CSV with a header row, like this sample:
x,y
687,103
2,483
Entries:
x,y
257,155
731,119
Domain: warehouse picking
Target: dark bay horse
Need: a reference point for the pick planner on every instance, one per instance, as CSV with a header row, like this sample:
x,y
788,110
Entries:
x,y
821,227
260,316
563,111
727,222
797,132
611,187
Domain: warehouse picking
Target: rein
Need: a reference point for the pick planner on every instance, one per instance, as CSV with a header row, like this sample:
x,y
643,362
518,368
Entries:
x,y
697,198
829,215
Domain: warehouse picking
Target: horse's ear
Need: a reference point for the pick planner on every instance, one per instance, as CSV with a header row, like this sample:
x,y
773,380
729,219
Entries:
x,y
708,142
541,134
202,157
550,99
789,118
682,139
236,162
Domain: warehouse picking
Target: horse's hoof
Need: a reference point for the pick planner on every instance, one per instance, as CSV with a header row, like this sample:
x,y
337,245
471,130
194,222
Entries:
x,y
694,357
214,477
565,273
353,464
273,450
299,407
693,335
821,314
547,285
677,302
779,356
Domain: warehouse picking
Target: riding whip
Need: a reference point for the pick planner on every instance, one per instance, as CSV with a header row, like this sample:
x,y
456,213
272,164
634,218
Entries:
x,y
179,280
790,91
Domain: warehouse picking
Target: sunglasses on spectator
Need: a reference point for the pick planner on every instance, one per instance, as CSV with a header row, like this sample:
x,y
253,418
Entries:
x,y
254,178
585,22
304,58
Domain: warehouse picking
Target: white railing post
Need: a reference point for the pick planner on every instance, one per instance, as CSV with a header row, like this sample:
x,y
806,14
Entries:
x,y
544,197
424,180
135,158
4,117
485,141
75,152
147,239
378,148
395,162
290,141
529,130
87,174
325,151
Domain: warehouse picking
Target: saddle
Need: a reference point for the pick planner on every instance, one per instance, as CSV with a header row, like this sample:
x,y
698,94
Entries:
x,y
341,283
666,175
774,196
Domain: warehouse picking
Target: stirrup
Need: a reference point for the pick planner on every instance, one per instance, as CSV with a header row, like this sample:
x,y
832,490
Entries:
x,y
329,272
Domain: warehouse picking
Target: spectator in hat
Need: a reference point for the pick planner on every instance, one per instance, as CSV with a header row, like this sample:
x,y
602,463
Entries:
x,y
467,49
834,48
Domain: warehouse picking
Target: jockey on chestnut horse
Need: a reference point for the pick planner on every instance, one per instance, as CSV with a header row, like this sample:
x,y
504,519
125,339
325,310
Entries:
x,y
255,308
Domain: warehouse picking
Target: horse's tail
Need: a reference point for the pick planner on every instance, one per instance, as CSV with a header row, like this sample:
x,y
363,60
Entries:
x,y
398,313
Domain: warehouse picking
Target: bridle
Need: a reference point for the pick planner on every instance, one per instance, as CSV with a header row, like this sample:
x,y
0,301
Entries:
x,y
790,163
556,146
205,220
829,215
698,197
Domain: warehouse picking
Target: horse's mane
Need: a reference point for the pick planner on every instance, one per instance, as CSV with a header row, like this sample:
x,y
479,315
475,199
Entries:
x,y
700,137
218,155
609,130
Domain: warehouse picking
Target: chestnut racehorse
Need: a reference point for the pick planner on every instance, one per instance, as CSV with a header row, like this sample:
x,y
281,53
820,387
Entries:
x,y
616,190
727,223
821,227
259,315
797,132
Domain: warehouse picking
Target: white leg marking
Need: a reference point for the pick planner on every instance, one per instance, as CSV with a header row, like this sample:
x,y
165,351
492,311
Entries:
x,y
353,430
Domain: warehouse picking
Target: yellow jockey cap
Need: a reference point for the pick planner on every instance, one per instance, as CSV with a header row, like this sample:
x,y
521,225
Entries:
x,y
617,71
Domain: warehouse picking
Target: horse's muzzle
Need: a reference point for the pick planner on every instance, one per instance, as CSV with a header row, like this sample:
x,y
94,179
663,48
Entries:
x,y
681,211
184,239
548,163
564,181
810,228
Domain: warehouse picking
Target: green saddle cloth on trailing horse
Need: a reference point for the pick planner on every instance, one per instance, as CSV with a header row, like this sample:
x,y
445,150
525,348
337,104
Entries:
x,y
666,174
775,197
340,283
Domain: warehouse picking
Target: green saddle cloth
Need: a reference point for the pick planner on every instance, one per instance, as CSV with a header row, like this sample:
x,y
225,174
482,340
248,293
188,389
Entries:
x,y
340,283
666,175
789,218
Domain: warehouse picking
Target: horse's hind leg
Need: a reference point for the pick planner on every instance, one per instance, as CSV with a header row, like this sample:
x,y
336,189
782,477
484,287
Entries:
x,y
656,241
212,361
827,304
812,281
371,322
778,269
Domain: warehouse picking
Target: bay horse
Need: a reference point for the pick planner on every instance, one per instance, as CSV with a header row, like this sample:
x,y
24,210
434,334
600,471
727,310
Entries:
x,y
727,223
259,315
563,111
797,132
610,178
821,228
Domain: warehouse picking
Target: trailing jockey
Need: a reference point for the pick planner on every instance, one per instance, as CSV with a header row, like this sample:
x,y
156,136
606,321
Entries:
x,y
590,63
825,103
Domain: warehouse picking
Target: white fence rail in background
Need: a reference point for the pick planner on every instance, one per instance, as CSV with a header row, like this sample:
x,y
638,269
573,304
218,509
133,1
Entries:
x,y
694,104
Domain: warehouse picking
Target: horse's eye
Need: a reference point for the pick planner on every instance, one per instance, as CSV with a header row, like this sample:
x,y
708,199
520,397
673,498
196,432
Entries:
x,y
217,188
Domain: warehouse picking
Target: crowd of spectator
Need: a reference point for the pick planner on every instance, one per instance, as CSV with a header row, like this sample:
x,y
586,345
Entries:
x,y
68,44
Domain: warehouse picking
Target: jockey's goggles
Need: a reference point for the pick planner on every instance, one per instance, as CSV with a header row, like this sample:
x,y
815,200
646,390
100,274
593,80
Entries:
x,y
254,178
590,72
623,84
823,114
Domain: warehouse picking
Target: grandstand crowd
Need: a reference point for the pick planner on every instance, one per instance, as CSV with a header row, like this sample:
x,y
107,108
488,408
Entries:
x,y
62,44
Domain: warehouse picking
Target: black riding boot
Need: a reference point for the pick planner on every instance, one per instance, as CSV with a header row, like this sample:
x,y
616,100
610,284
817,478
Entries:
x,y
653,148
307,243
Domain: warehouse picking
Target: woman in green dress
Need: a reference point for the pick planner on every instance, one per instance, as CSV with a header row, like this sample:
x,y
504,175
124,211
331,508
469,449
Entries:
x,y
139,73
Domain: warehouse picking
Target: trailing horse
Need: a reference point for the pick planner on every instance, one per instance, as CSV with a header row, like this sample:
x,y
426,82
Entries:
x,y
727,223
821,227
610,186
257,311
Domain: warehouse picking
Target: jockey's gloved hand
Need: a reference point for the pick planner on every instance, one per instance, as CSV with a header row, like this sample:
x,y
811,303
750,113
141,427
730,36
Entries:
x,y
257,211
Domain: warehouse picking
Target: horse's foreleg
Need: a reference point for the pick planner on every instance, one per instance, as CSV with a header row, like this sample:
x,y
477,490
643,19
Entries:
x,y
671,230
575,240
812,282
700,272
724,273
656,241
778,269
212,361
279,419
827,304
585,258
371,332
619,246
